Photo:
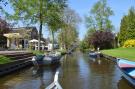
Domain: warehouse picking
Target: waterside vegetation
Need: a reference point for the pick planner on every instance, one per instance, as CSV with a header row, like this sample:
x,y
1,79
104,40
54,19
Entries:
x,y
98,23
100,32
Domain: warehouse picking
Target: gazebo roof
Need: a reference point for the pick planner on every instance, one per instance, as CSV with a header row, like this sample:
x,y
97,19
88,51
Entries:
x,y
13,35
33,40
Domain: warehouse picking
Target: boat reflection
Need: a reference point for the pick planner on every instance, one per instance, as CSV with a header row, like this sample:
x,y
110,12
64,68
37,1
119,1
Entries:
x,y
45,74
96,60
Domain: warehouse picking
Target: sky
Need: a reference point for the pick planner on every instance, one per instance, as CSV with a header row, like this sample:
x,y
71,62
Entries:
x,y
82,7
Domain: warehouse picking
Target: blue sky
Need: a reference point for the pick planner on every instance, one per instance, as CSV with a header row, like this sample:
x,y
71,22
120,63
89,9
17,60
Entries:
x,y
82,7
120,8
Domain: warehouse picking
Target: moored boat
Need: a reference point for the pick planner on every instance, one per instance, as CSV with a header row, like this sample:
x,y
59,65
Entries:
x,y
46,59
94,54
128,70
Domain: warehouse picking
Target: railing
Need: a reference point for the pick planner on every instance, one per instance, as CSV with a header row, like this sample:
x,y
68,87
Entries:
x,y
55,84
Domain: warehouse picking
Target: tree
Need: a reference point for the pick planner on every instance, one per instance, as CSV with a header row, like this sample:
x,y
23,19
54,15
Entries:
x,y
68,33
54,21
34,11
4,27
99,25
83,45
99,16
88,36
127,28
102,39
67,37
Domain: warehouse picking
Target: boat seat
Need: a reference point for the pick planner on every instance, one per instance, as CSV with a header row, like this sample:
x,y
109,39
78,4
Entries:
x,y
40,57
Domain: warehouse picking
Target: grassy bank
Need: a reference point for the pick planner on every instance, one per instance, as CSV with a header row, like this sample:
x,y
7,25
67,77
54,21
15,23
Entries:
x,y
127,53
4,59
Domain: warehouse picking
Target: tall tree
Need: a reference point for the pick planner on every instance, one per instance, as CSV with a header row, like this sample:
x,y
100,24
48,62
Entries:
x,y
55,21
34,11
68,33
99,19
127,28
99,16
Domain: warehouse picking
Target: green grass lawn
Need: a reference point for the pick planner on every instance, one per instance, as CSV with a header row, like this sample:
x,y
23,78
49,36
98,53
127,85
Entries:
x,y
4,59
127,53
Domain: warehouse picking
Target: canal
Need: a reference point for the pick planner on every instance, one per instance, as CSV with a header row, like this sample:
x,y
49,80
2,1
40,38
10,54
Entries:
x,y
77,71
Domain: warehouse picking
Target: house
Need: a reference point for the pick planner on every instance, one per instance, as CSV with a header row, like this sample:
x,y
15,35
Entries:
x,y
19,38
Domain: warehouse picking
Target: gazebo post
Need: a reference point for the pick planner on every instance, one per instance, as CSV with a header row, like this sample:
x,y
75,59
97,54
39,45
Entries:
x,y
8,42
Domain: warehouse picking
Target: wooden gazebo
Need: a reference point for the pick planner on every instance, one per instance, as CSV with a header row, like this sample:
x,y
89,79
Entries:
x,y
13,40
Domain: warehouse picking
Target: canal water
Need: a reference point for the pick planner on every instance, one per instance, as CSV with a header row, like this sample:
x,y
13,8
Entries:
x,y
77,71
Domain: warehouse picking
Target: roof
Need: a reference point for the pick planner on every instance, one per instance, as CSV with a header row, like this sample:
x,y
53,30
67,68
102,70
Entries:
x,y
22,29
13,35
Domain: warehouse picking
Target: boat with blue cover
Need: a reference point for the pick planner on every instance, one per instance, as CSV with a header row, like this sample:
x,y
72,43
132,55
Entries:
x,y
46,59
128,69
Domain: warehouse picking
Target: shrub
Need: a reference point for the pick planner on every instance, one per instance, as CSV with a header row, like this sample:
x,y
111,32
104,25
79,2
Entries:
x,y
4,59
102,39
129,43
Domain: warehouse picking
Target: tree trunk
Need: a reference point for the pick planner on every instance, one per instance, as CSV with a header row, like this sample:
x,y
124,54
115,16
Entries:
x,y
40,33
41,23
52,40
62,43
65,40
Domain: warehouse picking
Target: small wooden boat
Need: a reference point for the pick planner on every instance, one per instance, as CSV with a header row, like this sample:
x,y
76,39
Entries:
x,y
46,59
94,54
128,70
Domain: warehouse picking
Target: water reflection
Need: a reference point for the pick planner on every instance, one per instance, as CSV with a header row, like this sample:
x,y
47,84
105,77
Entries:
x,y
45,75
77,71
30,78
82,72
124,84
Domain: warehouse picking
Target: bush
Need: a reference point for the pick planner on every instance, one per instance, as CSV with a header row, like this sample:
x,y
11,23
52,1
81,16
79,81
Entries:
x,y
102,39
4,59
129,43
